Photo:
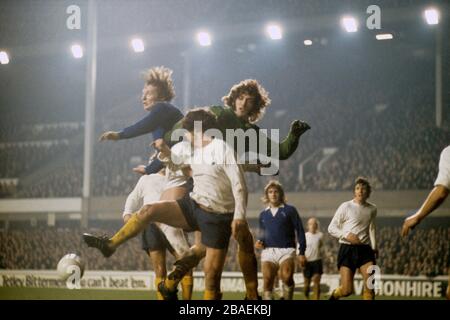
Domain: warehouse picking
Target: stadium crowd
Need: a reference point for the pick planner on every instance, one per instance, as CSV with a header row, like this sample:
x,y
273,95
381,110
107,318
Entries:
x,y
426,252
383,130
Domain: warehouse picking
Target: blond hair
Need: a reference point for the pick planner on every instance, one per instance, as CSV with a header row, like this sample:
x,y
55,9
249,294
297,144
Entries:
x,y
274,184
161,77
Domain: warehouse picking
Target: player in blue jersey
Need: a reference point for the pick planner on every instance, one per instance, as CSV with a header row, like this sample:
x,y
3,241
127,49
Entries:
x,y
279,225
157,94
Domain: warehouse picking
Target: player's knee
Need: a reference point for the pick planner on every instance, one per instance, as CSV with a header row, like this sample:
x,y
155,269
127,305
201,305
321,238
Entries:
x,y
146,212
268,278
316,279
245,240
287,278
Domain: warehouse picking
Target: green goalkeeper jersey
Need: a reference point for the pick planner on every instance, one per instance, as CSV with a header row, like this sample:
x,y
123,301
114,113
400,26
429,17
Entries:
x,y
227,119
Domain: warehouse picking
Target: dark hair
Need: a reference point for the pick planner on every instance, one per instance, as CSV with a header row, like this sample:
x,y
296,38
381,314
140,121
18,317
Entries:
x,y
365,182
206,117
274,184
253,88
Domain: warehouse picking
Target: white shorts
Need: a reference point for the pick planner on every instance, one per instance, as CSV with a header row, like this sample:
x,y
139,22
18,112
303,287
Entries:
x,y
177,239
277,255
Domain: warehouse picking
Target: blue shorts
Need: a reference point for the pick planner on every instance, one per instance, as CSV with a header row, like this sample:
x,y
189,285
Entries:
x,y
215,227
153,239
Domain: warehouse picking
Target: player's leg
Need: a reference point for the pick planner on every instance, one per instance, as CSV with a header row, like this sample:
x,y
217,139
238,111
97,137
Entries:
x,y
168,212
307,275
317,271
177,241
187,285
287,267
183,267
155,245
306,286
368,293
269,272
346,287
213,267
158,260
174,193
247,261
316,286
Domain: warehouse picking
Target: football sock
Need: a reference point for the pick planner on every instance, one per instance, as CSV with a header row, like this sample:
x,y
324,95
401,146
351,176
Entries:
x,y
158,294
368,294
288,292
316,292
306,291
171,284
337,293
186,286
132,228
212,295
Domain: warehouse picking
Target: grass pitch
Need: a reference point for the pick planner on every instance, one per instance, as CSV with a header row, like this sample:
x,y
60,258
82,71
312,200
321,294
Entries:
x,y
91,294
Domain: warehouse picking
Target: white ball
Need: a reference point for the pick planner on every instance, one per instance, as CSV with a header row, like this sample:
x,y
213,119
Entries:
x,y
69,264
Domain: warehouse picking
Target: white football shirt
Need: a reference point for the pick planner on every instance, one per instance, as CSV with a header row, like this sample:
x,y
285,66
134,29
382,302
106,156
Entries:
x,y
443,177
313,246
357,219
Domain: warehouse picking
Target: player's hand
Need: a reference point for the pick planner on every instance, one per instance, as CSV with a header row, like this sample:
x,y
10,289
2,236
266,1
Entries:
x,y
140,169
163,148
299,127
158,144
236,225
259,245
353,238
409,224
302,261
109,135
126,218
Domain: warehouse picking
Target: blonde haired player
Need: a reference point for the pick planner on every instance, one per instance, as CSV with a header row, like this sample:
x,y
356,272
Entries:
x,y
314,267
279,223
435,198
354,225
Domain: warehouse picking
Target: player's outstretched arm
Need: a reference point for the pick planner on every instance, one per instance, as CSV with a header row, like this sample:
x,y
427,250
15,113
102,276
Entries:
x,y
148,124
432,202
289,145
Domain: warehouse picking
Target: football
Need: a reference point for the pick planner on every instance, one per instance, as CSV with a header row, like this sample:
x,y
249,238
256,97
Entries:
x,y
69,264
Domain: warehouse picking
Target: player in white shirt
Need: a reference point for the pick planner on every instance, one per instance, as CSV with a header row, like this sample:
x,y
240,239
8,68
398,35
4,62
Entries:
x,y
314,267
157,238
354,225
435,198
216,206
